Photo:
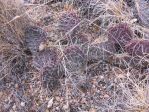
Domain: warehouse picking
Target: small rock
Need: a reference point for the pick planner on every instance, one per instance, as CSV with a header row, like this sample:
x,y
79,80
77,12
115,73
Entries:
x,y
22,104
50,103
92,110
42,46
66,107
106,96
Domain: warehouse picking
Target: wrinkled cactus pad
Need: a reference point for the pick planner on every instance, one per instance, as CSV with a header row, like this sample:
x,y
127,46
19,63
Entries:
x,y
98,68
74,58
51,84
120,34
45,58
68,21
100,51
138,47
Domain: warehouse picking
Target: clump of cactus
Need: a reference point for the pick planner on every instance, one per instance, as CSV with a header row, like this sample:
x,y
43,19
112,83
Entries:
x,y
55,55
121,37
48,65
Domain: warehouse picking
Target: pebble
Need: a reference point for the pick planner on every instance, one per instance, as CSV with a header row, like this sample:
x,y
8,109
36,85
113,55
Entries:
x,y
66,107
22,104
50,103
92,110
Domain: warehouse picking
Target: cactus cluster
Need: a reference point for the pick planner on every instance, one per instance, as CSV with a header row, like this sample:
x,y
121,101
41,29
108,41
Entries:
x,y
122,38
69,54
44,59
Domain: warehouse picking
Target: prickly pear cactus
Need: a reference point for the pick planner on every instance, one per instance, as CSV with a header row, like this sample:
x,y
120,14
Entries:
x,y
67,21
